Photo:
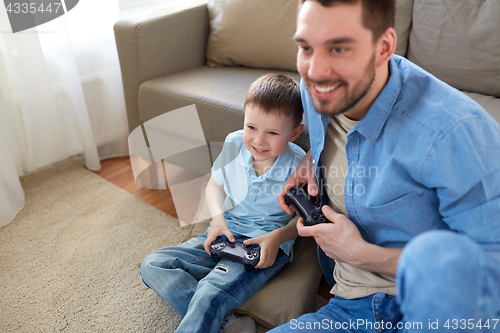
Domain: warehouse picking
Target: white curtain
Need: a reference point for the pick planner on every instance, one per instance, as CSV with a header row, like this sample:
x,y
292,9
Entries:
x,y
60,96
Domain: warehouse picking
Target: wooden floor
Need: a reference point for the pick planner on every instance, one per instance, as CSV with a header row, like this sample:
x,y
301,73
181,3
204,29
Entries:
x,y
119,172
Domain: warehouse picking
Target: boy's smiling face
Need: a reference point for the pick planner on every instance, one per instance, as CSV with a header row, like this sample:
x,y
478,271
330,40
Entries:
x,y
266,135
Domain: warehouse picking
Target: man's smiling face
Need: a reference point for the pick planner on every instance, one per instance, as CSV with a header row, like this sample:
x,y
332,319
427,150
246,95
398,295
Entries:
x,y
336,57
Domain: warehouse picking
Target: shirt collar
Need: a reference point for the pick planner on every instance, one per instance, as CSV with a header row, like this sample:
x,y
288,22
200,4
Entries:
x,y
372,123
278,171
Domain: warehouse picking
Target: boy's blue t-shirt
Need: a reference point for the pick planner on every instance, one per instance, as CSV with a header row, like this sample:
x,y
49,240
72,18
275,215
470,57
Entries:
x,y
251,208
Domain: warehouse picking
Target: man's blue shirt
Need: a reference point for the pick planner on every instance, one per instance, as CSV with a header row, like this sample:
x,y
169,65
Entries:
x,y
251,208
424,157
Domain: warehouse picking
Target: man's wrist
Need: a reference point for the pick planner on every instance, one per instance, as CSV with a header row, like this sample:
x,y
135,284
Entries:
x,y
377,259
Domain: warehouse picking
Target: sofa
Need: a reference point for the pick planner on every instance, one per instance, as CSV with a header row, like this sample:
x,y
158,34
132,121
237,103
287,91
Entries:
x,y
208,54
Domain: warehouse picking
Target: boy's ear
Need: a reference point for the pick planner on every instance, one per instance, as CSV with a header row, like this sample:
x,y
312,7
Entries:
x,y
296,132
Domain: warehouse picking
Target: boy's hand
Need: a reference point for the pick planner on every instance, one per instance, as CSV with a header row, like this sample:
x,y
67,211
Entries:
x,y
269,247
304,174
217,228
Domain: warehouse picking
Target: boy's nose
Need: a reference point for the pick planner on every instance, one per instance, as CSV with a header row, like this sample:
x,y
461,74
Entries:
x,y
259,139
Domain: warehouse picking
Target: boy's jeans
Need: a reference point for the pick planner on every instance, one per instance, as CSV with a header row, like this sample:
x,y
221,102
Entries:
x,y
200,290
446,283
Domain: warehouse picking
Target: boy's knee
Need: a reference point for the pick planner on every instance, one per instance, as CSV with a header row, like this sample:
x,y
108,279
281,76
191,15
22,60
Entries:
x,y
150,265
145,269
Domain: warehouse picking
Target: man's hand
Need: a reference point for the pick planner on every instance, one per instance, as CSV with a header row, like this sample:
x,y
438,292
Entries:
x,y
341,240
304,174
217,228
269,247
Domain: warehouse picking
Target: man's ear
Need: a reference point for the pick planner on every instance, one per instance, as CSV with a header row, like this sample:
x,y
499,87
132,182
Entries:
x,y
296,132
386,45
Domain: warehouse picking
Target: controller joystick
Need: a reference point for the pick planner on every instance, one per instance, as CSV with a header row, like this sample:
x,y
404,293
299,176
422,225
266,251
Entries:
x,y
305,205
248,255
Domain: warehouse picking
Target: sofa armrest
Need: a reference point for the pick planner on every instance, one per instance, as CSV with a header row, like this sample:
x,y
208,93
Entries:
x,y
157,44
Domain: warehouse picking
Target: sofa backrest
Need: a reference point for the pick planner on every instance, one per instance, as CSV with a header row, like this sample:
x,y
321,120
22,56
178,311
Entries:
x,y
456,40
402,25
459,42
240,31
255,33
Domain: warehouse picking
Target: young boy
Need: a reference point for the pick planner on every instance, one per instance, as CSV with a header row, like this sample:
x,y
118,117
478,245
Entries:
x,y
241,197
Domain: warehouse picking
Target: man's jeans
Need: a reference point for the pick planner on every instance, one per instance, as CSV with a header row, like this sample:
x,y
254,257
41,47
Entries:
x,y
445,283
200,290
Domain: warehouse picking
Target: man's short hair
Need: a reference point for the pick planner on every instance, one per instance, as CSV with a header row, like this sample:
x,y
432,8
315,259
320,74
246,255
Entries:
x,y
378,15
277,93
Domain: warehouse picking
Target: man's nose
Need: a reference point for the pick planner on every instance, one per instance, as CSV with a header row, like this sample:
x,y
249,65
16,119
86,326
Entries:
x,y
320,67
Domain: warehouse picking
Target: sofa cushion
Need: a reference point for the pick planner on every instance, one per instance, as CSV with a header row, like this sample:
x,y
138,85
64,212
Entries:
x,y
255,33
218,93
459,42
402,24
490,103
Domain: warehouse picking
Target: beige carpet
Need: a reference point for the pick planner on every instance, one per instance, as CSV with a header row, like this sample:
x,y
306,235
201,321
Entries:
x,y
70,260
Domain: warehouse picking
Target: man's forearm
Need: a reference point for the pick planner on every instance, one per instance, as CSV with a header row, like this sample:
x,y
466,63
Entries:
x,y
379,259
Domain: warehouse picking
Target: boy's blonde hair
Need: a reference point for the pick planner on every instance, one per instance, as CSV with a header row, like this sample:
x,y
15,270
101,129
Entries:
x,y
277,92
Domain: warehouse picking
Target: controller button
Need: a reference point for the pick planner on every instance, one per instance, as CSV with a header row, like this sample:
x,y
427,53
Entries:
x,y
250,255
218,246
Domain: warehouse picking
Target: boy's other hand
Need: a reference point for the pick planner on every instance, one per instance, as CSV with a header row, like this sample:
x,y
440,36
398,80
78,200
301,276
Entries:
x,y
217,228
269,247
304,174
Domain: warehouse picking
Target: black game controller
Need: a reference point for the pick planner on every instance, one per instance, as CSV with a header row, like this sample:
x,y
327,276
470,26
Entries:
x,y
248,255
305,205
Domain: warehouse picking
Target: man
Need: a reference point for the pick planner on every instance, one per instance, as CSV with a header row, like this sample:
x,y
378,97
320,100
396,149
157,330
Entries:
x,y
412,172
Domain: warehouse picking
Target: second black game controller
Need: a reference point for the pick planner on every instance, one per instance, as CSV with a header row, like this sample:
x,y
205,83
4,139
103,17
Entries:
x,y
305,205
248,255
